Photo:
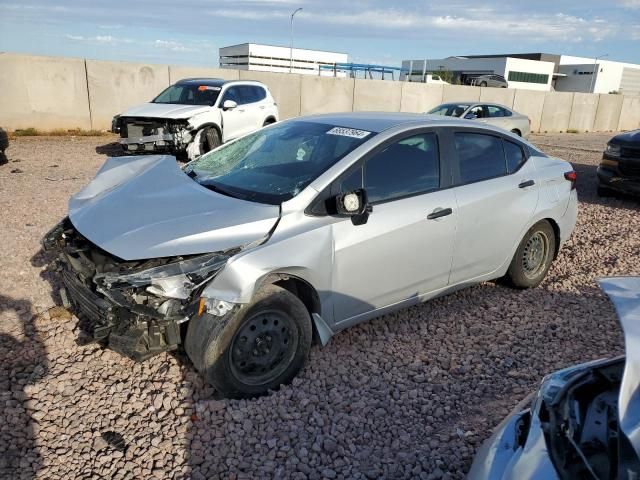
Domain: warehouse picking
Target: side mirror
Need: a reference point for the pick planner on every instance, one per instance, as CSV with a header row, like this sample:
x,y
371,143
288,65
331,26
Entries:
x,y
352,203
470,116
229,105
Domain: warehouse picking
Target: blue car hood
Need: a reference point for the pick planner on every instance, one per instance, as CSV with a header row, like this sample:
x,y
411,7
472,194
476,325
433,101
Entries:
x,y
147,207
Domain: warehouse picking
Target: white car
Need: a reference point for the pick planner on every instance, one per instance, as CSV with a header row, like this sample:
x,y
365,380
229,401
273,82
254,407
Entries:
x,y
194,116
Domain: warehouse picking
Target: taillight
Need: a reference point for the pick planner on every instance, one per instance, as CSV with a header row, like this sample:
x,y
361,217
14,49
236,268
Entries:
x,y
572,177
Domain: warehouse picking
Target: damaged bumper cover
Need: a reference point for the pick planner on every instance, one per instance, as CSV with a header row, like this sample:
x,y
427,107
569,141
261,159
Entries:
x,y
135,307
141,134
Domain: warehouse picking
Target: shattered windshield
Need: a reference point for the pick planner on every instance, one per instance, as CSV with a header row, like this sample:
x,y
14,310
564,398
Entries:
x,y
274,164
449,109
189,94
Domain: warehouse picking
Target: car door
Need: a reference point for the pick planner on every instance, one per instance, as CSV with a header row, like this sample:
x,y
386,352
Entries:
x,y
494,115
252,105
234,120
496,195
404,249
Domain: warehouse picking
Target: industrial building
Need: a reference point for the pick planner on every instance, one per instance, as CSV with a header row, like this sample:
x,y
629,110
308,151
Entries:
x,y
536,71
270,58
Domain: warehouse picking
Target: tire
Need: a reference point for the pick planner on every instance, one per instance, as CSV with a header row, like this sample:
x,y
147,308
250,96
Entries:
x,y
533,257
483,84
268,121
210,139
517,132
257,348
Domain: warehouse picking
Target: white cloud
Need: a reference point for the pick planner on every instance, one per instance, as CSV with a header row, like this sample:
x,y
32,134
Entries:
x,y
630,3
98,39
172,46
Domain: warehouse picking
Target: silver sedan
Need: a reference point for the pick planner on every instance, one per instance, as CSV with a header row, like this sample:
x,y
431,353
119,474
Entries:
x,y
300,230
491,113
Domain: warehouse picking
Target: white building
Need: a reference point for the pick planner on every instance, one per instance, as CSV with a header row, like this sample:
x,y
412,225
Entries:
x,y
519,72
580,74
269,58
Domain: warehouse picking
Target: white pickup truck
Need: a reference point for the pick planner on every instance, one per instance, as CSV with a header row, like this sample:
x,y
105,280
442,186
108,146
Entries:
x,y
194,116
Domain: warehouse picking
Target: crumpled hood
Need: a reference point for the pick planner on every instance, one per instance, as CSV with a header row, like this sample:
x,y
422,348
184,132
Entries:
x,y
624,292
165,110
147,207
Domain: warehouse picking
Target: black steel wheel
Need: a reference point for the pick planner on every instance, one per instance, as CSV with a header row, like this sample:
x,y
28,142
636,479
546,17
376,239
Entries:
x,y
254,349
263,347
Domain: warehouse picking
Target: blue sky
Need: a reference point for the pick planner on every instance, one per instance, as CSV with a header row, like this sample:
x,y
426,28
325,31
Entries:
x,y
190,32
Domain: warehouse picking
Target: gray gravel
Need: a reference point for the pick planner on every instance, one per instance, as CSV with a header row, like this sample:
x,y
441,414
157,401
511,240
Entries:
x,y
408,395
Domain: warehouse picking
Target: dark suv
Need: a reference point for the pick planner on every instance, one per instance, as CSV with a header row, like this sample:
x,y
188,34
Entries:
x,y
619,170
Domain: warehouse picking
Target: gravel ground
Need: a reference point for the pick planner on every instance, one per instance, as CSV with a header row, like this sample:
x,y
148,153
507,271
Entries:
x,y
408,395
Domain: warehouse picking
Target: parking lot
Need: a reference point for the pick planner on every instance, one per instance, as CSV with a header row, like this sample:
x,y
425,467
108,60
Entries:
x,y
411,394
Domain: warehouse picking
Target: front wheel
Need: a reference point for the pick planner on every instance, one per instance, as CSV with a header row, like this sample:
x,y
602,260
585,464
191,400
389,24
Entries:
x,y
262,346
204,141
533,257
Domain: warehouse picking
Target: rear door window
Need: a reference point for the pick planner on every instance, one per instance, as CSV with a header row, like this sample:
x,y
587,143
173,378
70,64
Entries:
x,y
480,156
514,155
259,94
495,112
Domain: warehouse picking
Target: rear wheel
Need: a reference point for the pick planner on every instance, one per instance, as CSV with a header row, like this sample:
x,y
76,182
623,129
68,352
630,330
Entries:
x,y
533,257
262,346
517,132
483,84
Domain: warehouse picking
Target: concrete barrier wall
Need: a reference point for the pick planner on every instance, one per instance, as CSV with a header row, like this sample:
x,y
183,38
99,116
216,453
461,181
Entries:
x,y
460,93
326,95
51,93
556,111
630,114
583,112
377,96
285,89
502,96
44,92
420,98
608,114
530,103
117,86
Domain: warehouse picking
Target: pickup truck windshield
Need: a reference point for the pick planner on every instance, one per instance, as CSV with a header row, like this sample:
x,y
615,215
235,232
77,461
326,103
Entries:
x,y
276,163
189,94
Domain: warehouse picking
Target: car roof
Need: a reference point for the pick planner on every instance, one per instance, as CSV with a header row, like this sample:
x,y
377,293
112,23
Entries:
x,y
214,82
380,121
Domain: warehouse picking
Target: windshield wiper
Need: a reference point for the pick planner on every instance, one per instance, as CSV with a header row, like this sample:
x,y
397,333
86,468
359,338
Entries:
x,y
223,191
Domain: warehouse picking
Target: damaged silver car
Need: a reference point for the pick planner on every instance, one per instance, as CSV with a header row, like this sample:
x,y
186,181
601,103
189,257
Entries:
x,y
300,230
584,422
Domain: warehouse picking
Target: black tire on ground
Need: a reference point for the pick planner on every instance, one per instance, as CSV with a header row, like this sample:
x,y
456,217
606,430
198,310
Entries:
x,y
533,257
517,132
209,140
483,84
603,191
256,349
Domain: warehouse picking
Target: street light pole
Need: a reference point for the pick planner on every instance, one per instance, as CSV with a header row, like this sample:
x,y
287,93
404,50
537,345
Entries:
x,y
291,39
593,74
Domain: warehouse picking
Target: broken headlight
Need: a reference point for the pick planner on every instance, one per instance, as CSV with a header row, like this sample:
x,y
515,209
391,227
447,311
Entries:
x,y
174,280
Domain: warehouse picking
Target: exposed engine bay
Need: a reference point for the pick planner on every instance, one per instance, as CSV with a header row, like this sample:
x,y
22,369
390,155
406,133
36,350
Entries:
x,y
134,307
582,428
142,134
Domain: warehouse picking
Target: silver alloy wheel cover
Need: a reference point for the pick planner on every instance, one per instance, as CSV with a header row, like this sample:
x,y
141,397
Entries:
x,y
534,256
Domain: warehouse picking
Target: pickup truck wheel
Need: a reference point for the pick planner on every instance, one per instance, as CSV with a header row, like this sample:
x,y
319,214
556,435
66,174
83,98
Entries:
x,y
262,346
533,257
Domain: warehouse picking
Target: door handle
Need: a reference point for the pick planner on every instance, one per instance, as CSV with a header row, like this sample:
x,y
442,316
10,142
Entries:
x,y
439,212
526,183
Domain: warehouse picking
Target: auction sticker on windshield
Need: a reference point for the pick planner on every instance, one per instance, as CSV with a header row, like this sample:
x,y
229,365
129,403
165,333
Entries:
x,y
348,132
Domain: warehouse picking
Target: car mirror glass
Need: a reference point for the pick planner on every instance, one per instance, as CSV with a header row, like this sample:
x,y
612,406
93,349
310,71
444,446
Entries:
x,y
351,203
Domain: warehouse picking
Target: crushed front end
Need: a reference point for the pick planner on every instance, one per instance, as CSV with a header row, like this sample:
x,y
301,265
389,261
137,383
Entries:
x,y
134,307
144,135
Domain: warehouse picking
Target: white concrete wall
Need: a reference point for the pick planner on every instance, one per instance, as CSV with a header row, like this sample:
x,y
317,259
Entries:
x,y
49,93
